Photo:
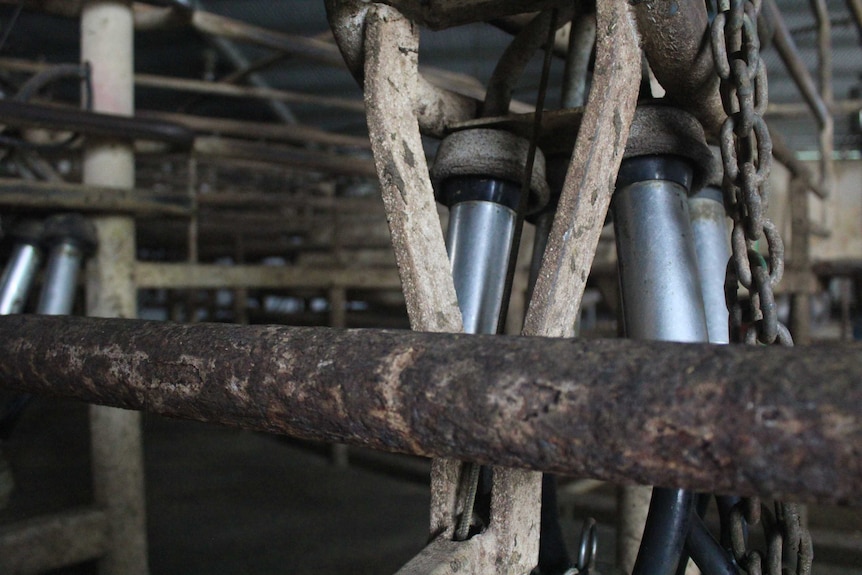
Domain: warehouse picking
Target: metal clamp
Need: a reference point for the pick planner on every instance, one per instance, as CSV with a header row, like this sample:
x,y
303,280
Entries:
x,y
492,154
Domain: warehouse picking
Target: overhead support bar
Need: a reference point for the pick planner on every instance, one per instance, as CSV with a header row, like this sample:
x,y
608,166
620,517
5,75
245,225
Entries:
x,y
210,88
786,47
210,276
26,115
292,133
287,156
795,110
725,419
18,194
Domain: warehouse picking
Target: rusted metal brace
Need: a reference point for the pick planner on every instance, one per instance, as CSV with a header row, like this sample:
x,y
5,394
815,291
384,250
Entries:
x,y
435,108
401,166
391,51
591,176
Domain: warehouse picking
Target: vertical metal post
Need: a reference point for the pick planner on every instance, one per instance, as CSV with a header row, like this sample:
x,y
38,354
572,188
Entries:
x,y
61,279
70,238
712,244
476,174
338,318
20,270
661,300
479,239
107,42
479,242
661,292
800,258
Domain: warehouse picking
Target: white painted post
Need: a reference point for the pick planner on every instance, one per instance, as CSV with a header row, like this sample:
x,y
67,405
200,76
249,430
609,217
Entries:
x,y
107,43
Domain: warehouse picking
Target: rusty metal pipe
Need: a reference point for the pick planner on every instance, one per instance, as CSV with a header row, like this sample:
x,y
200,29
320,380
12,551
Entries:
x,y
824,62
582,41
787,157
518,54
435,108
27,115
783,42
726,419
855,8
675,38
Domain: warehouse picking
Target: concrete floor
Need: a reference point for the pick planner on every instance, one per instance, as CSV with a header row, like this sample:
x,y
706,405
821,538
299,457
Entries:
x,y
226,501
229,501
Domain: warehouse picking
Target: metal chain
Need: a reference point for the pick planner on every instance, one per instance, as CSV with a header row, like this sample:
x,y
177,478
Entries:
x,y
746,152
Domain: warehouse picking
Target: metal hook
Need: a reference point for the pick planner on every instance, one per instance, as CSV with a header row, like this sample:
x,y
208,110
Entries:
x,y
588,547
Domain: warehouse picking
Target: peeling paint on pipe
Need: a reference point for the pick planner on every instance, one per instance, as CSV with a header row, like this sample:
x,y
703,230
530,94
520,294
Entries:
x,y
725,419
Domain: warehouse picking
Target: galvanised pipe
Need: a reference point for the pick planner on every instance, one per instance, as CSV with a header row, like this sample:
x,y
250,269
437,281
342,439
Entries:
x,y
661,300
780,423
61,279
661,292
712,244
479,240
476,174
20,270
72,238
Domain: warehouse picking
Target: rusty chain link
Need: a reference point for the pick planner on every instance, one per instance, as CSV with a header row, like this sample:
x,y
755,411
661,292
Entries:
x,y
746,152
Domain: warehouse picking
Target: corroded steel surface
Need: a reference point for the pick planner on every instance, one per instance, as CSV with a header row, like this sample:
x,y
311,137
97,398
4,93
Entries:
x,y
725,419
392,45
673,35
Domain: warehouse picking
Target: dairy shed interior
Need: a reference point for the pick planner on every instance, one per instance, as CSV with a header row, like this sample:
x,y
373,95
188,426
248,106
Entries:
x,y
241,239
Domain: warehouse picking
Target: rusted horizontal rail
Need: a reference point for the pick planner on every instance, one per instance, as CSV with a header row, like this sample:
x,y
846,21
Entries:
x,y
727,419
209,276
27,115
210,88
293,133
26,195
288,156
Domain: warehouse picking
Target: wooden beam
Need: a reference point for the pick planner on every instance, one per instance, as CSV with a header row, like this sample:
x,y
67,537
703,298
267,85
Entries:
x,y
591,176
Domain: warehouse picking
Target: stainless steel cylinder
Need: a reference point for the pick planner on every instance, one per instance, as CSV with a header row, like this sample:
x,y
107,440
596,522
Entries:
x,y
712,244
659,282
479,241
17,277
61,279
661,300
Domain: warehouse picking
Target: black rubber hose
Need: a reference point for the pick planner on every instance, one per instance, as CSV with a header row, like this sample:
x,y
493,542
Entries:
x,y
667,526
707,553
